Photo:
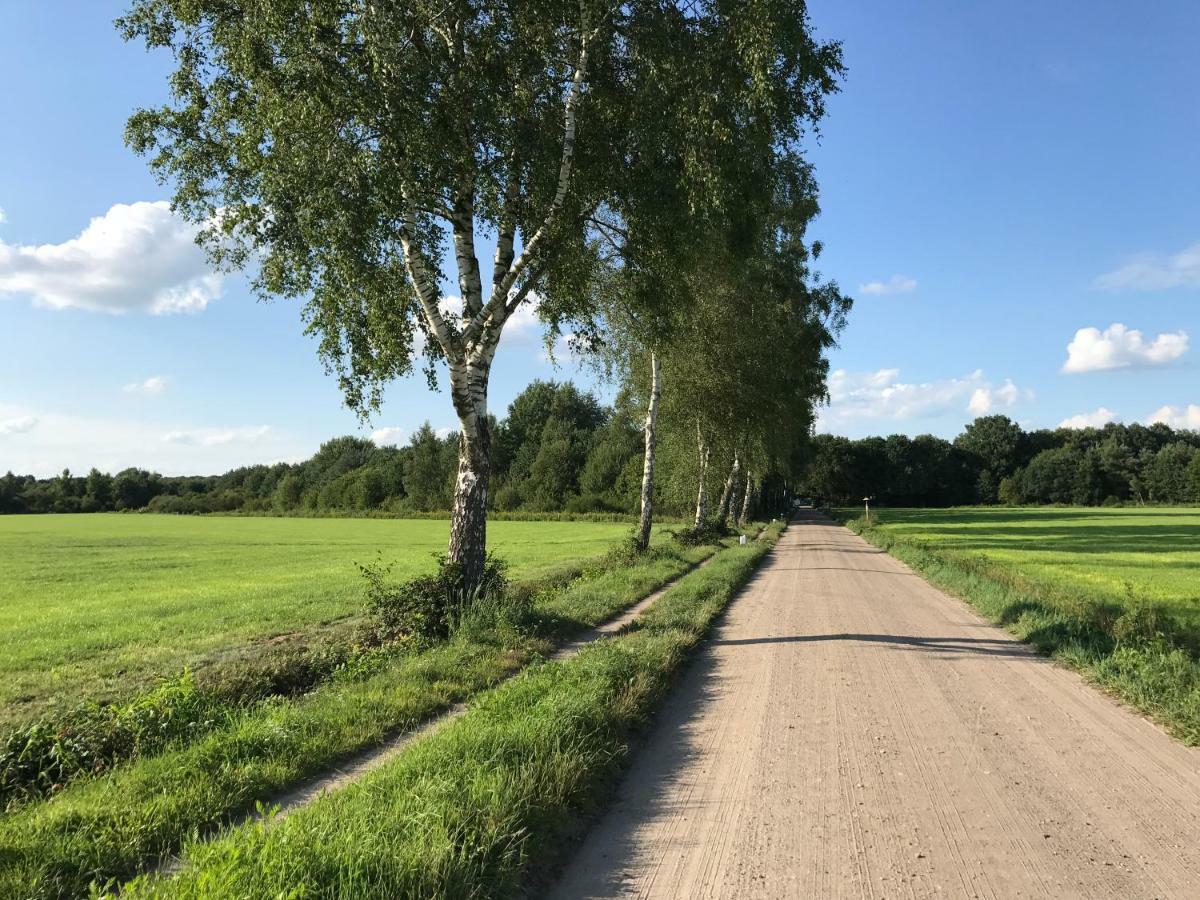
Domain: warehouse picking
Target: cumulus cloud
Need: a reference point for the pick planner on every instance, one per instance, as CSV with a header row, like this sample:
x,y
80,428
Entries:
x,y
59,440
3,216
388,437
1150,272
215,437
444,432
137,257
897,284
1097,419
883,395
151,387
524,321
1118,347
1179,417
987,399
17,425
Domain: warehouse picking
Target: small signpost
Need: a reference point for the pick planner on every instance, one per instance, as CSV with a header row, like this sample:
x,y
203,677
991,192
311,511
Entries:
x,y
867,509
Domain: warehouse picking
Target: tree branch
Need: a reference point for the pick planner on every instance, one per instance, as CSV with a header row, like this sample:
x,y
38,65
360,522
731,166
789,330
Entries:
x,y
500,289
427,291
508,223
463,227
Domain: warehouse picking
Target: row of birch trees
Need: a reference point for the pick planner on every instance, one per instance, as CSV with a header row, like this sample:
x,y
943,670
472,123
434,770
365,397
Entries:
x,y
636,166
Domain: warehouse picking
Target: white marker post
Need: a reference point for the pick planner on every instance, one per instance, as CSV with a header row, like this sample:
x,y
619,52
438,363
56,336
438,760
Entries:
x,y
867,508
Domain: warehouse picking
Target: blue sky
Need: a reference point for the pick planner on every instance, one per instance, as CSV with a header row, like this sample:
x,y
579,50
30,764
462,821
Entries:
x,y
1011,193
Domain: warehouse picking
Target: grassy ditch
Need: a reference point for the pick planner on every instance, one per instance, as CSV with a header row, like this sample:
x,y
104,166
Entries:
x,y
483,806
1133,647
111,827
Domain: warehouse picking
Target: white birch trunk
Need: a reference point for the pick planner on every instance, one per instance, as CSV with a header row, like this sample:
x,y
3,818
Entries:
x,y
702,492
727,492
746,501
651,439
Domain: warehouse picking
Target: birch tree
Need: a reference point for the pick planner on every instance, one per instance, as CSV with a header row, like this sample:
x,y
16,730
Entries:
x,y
349,149
747,367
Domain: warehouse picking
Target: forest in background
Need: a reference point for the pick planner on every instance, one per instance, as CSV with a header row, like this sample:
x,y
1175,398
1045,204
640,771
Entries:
x,y
559,450
994,460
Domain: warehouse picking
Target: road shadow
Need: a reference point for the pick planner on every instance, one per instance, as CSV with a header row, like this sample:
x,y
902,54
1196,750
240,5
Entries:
x,y
948,646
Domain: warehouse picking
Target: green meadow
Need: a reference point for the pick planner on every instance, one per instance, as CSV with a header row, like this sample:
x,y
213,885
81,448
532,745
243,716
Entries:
x,y
94,605
1149,554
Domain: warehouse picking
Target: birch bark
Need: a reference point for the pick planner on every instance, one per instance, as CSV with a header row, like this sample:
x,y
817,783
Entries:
x,y
469,349
727,492
651,439
746,500
702,491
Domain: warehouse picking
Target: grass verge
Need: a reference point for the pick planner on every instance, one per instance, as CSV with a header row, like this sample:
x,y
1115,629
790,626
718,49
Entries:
x,y
1133,649
107,829
481,807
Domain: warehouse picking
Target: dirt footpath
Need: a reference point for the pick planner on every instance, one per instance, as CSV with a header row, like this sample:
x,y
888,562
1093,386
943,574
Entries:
x,y
852,732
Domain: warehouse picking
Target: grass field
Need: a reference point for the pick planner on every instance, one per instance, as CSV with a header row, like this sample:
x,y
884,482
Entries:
x,y
93,605
1114,593
1116,555
148,804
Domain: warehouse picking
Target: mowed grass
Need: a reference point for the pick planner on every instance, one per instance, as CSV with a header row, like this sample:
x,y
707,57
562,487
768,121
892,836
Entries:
x,y
1114,555
92,606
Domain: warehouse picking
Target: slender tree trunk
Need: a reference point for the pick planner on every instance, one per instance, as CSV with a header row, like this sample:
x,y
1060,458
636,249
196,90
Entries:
x,y
746,501
468,517
651,443
727,491
702,493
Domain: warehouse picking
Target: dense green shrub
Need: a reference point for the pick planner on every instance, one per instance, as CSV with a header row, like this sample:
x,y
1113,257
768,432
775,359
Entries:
x,y
425,609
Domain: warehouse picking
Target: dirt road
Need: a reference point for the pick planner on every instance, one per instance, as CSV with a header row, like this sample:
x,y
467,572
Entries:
x,y
852,732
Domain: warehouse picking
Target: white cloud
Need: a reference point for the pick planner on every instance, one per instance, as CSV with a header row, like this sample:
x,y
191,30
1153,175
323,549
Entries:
x,y
3,216
1177,416
1118,347
1151,272
987,399
388,437
897,284
17,425
151,387
524,321
215,437
63,440
444,432
882,395
1097,419
137,257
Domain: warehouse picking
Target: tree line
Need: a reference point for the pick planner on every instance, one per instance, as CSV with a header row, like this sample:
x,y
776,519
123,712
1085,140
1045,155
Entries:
x,y
994,460
558,449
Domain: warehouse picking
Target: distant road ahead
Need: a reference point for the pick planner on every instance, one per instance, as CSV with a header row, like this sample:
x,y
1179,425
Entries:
x,y
852,732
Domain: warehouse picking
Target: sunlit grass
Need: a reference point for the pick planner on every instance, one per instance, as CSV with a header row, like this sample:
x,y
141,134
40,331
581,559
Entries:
x,y
1110,554
111,826
92,606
